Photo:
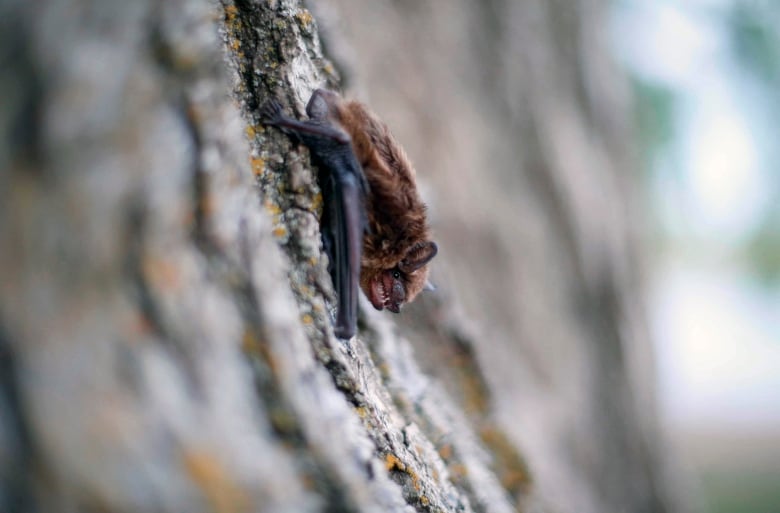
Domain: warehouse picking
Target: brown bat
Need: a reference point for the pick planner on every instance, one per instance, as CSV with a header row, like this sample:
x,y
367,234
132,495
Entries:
x,y
375,228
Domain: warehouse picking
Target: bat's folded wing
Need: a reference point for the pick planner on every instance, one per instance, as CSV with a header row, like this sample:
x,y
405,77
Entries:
x,y
348,225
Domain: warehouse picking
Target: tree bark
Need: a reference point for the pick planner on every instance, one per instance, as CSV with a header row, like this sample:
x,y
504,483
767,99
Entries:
x,y
165,310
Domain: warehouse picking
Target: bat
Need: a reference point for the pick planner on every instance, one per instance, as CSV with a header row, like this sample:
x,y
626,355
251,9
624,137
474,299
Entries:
x,y
375,228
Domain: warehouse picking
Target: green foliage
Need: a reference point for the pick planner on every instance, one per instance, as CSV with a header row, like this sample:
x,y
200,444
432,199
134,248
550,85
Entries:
x,y
763,251
654,109
742,491
754,36
755,42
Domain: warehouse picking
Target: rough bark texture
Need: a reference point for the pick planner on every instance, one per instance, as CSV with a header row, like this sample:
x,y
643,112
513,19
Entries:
x,y
165,336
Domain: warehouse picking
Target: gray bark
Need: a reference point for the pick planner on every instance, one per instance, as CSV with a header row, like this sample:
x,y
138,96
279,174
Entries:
x,y
165,336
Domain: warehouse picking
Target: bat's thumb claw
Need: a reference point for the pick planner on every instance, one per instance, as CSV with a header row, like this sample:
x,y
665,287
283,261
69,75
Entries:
x,y
429,286
271,111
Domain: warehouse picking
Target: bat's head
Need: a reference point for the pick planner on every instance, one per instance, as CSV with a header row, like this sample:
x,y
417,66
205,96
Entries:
x,y
391,288
323,104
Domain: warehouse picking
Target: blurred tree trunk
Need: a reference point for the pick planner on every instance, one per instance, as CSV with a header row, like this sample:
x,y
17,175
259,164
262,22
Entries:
x,y
165,340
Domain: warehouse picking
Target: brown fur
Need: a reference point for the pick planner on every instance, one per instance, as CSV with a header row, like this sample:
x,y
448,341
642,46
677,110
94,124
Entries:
x,y
396,214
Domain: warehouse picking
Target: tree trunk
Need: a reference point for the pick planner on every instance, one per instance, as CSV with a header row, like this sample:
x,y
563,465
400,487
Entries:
x,y
165,332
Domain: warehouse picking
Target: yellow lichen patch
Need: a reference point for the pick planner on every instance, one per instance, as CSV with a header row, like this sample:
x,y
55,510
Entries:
x,y
272,208
415,479
231,12
393,463
509,465
316,202
235,44
256,347
424,500
304,17
279,232
258,166
219,489
361,411
251,131
307,319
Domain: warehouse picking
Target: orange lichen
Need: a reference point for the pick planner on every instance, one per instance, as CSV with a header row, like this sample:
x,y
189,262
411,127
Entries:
x,y
256,347
307,319
393,463
231,11
280,231
258,165
509,465
210,476
415,479
445,451
272,208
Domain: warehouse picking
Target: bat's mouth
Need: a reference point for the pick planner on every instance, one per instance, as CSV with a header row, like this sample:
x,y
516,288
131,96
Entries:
x,y
381,296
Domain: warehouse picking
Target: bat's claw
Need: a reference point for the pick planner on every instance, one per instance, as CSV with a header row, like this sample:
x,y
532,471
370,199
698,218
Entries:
x,y
271,112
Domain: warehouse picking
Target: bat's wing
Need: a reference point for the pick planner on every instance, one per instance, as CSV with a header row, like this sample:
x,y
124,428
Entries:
x,y
344,217
347,224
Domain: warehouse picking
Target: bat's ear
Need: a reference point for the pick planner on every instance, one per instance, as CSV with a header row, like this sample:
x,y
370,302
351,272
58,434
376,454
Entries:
x,y
319,103
418,256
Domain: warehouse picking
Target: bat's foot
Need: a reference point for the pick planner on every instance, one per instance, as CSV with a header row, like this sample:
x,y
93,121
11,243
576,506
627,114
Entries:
x,y
271,112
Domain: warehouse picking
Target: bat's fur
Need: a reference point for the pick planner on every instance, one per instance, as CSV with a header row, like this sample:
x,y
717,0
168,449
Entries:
x,y
367,169
398,227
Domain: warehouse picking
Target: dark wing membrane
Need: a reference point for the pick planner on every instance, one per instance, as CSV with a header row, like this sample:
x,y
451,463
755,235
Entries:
x,y
347,240
344,218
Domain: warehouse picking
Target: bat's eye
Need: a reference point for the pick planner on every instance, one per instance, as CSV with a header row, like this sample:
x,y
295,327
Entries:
x,y
397,275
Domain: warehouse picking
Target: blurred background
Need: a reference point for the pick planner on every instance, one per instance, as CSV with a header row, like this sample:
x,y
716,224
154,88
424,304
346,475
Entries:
x,y
706,80
564,120
602,183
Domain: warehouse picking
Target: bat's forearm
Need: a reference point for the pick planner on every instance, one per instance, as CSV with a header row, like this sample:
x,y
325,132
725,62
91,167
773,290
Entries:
x,y
306,127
